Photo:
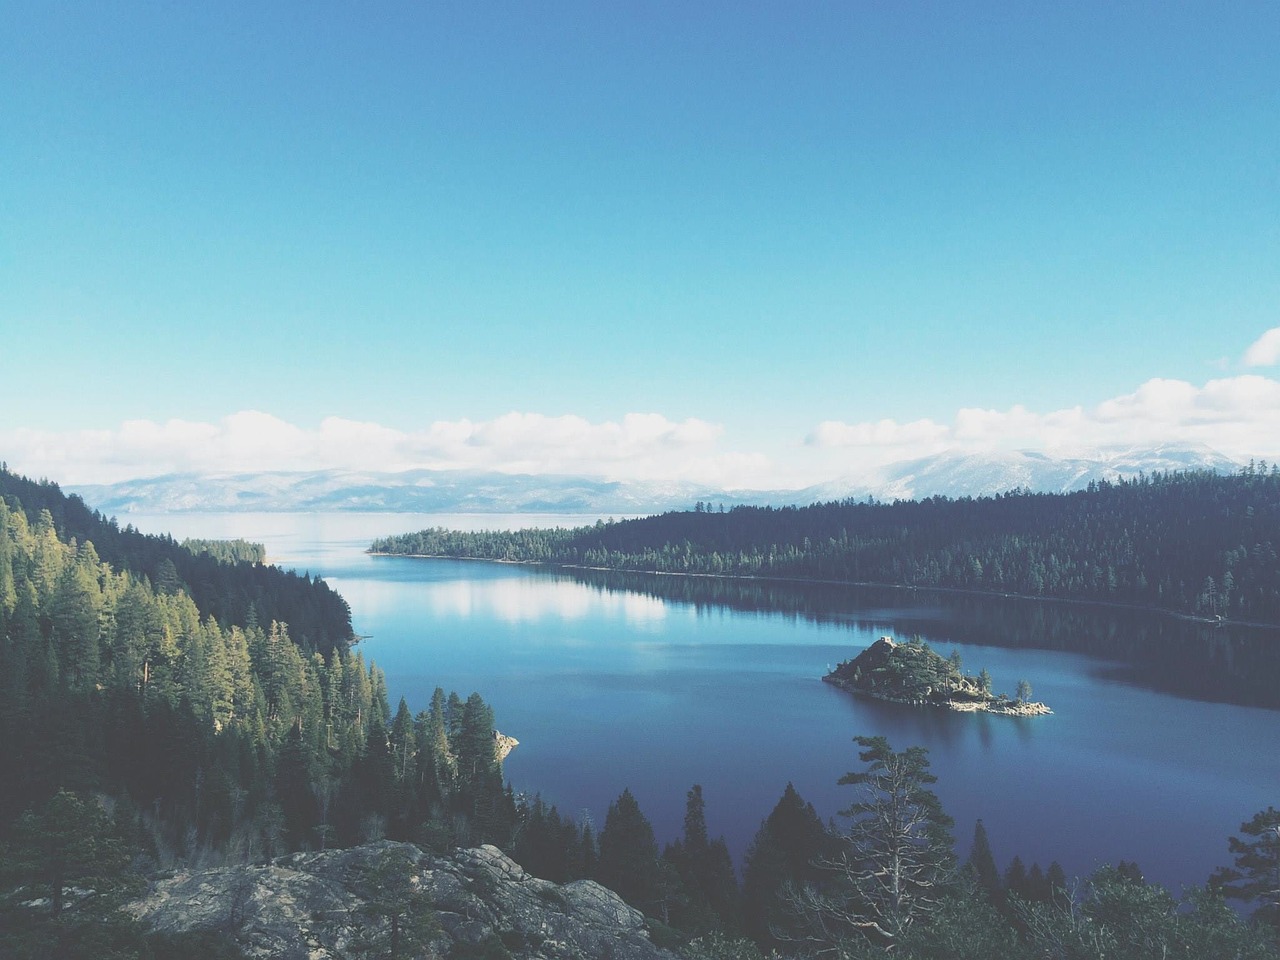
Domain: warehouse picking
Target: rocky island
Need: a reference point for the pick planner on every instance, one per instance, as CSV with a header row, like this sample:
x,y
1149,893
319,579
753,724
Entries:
x,y
913,673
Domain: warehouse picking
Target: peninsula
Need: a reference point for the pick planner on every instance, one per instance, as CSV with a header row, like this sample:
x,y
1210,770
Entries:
x,y
913,673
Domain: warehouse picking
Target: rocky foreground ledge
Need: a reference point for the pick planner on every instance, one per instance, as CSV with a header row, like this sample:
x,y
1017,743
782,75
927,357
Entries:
x,y
316,906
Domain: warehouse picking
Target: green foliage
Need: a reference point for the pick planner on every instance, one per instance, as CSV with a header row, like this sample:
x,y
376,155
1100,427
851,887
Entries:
x,y
708,897
1193,542
228,551
489,947
63,875
783,856
965,926
1123,917
240,594
629,856
228,740
1255,875
911,671
895,864
194,945
717,946
397,918
982,866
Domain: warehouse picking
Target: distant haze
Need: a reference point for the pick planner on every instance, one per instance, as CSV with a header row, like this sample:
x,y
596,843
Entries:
x,y
423,491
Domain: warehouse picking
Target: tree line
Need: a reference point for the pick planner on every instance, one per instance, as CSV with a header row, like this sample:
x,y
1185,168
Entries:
x,y
233,587
1198,543
209,740
151,731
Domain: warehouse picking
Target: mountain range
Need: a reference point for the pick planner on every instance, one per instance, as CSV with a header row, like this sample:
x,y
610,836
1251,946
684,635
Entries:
x,y
951,473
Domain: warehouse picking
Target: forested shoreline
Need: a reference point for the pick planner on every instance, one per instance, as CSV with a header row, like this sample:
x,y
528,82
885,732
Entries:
x,y
209,734
1196,544
149,725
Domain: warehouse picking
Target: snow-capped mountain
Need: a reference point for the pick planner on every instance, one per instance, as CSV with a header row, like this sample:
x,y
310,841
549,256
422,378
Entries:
x,y
952,474
414,491
957,474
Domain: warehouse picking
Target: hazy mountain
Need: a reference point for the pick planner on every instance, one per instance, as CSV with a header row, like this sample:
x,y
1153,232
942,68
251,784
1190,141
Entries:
x,y
413,491
956,474
951,474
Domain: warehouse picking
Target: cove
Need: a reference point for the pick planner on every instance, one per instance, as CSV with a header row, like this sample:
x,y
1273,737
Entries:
x,y
1161,743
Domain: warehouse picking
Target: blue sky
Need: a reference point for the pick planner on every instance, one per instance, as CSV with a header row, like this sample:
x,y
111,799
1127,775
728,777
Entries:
x,y
786,238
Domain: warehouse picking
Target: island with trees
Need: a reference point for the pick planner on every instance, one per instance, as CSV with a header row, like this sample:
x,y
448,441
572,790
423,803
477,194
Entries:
x,y
914,673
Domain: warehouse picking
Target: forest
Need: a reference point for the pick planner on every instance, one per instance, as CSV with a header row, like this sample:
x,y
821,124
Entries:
x,y
147,725
210,729
1195,543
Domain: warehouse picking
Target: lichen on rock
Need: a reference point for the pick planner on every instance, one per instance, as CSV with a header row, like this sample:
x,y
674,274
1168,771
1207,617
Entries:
x,y
315,906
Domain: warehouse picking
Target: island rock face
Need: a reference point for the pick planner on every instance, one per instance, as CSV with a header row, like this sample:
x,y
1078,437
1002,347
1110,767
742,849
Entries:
x,y
913,673
316,906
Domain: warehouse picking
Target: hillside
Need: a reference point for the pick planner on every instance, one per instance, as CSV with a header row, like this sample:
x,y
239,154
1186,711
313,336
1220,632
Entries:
x,y
234,594
1196,543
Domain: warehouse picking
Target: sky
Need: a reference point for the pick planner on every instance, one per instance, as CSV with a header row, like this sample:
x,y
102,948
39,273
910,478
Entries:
x,y
751,244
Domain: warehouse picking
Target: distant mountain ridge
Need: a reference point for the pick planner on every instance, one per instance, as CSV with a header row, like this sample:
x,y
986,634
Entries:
x,y
952,474
956,474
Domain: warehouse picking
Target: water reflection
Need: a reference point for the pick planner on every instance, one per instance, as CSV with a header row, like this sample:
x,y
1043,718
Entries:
x,y
1222,664
515,599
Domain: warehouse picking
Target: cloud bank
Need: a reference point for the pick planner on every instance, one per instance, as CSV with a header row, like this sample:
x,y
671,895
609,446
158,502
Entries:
x,y
644,446
1238,416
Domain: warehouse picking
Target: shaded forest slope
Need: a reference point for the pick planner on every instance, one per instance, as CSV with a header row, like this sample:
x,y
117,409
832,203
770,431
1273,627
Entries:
x,y
1195,543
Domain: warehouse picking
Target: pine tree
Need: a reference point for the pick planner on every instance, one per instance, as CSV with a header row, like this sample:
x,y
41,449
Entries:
x,y
982,865
782,856
1255,875
628,863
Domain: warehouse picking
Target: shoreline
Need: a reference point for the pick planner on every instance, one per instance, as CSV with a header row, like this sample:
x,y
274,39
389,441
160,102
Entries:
x,y
995,706
817,581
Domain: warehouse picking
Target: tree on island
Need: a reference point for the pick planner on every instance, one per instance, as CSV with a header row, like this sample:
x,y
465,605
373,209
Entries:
x,y
1023,692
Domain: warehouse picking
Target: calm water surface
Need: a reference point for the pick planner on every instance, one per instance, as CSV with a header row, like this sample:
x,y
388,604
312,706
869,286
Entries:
x,y
613,682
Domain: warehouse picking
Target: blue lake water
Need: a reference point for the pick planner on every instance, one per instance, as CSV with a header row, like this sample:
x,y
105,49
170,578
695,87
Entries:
x,y
609,685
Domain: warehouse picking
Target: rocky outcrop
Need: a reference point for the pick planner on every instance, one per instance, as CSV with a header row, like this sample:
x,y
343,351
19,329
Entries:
x,y
914,674
503,745
315,906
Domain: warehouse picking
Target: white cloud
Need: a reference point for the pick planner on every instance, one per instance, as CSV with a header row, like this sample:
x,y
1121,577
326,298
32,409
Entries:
x,y
1238,416
1265,351
645,446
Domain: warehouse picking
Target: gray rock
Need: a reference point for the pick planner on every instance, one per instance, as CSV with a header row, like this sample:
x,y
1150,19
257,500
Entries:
x,y
314,906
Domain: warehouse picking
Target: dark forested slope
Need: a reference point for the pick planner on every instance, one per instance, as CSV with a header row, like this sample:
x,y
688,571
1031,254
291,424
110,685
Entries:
x,y
233,593
213,738
1197,543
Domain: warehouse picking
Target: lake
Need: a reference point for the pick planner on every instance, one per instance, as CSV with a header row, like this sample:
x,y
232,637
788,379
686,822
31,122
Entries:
x,y
1163,738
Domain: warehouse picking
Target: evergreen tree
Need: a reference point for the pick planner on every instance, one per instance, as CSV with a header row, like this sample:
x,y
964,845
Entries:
x,y
782,857
1255,875
294,793
895,861
69,852
628,862
708,889
982,865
